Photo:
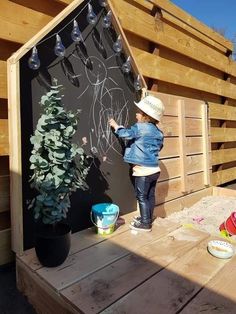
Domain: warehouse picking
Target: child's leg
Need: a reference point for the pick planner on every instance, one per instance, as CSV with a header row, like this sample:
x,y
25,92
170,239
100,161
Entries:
x,y
152,190
142,187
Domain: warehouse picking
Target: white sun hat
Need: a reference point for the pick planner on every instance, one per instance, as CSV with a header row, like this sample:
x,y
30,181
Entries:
x,y
152,106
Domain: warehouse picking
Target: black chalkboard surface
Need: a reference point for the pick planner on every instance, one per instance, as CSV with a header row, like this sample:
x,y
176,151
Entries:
x,y
94,83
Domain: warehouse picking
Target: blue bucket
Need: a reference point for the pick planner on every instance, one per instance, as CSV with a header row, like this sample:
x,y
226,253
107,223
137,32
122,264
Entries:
x,y
104,216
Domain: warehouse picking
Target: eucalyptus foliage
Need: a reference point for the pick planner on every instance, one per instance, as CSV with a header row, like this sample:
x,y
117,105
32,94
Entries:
x,y
59,166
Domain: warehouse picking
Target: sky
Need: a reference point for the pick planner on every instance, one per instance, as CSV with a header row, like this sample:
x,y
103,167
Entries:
x,y
220,14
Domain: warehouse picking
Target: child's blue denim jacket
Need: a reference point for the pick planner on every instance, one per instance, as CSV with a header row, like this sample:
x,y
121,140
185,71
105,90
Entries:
x,y
146,144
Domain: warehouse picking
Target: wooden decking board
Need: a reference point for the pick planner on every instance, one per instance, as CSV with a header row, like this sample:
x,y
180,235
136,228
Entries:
x,y
218,296
101,289
85,262
79,241
168,270
170,289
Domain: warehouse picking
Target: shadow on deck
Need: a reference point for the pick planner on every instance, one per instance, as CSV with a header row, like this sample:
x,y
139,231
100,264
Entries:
x,y
168,270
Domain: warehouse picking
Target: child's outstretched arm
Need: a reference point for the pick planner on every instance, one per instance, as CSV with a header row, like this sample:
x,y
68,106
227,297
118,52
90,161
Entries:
x,y
122,131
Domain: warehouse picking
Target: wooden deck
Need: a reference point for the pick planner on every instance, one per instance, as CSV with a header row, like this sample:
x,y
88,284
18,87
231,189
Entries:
x,y
168,270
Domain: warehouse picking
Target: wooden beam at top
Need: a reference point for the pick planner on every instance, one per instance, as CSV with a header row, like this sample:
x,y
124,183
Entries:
x,y
142,24
19,24
193,22
194,33
155,67
48,7
44,31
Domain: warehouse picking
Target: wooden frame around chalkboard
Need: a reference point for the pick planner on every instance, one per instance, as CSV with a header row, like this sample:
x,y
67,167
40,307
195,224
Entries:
x,y
13,65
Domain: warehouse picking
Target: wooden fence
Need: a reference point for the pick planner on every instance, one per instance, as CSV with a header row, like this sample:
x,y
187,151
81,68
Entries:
x,y
176,54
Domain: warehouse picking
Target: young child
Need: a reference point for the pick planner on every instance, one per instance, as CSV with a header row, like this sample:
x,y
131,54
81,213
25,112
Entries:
x,y
143,153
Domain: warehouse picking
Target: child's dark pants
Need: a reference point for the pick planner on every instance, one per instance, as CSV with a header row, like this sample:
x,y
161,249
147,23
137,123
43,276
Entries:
x,y
145,194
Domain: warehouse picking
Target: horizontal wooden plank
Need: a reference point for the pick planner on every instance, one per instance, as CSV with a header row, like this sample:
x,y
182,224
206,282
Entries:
x,y
170,148
171,189
18,23
222,135
178,204
51,7
170,126
194,33
194,145
192,106
4,144
218,294
154,67
144,25
36,28
121,277
223,176
170,168
222,112
82,264
172,287
193,22
174,89
222,156
3,79
6,255
79,241
227,192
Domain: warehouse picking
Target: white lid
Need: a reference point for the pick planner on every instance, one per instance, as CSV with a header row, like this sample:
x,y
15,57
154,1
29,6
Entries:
x,y
220,249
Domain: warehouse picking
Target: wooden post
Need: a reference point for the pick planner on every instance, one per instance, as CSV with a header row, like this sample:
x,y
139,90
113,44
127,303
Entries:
x,y
15,156
182,145
205,143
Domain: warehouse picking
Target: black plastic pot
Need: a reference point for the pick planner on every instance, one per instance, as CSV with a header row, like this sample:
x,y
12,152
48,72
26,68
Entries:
x,y
52,244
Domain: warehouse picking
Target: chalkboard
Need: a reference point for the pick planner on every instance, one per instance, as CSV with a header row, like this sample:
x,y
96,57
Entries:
x,y
94,83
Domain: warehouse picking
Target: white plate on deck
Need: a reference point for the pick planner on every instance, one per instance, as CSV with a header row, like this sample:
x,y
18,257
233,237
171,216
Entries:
x,y
220,249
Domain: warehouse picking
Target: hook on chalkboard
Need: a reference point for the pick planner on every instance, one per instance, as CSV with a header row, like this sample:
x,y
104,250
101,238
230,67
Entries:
x,y
44,79
110,35
97,39
81,51
69,72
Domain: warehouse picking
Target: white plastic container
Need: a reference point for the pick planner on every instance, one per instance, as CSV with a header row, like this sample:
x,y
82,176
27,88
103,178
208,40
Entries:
x,y
220,249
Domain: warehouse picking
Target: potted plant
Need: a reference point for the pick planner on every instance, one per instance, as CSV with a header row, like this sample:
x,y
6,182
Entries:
x,y
59,168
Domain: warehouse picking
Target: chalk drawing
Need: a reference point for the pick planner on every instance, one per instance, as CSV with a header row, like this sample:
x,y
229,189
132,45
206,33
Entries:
x,y
108,101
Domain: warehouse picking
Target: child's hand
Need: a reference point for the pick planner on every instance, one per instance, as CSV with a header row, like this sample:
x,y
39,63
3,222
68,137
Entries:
x,y
113,123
